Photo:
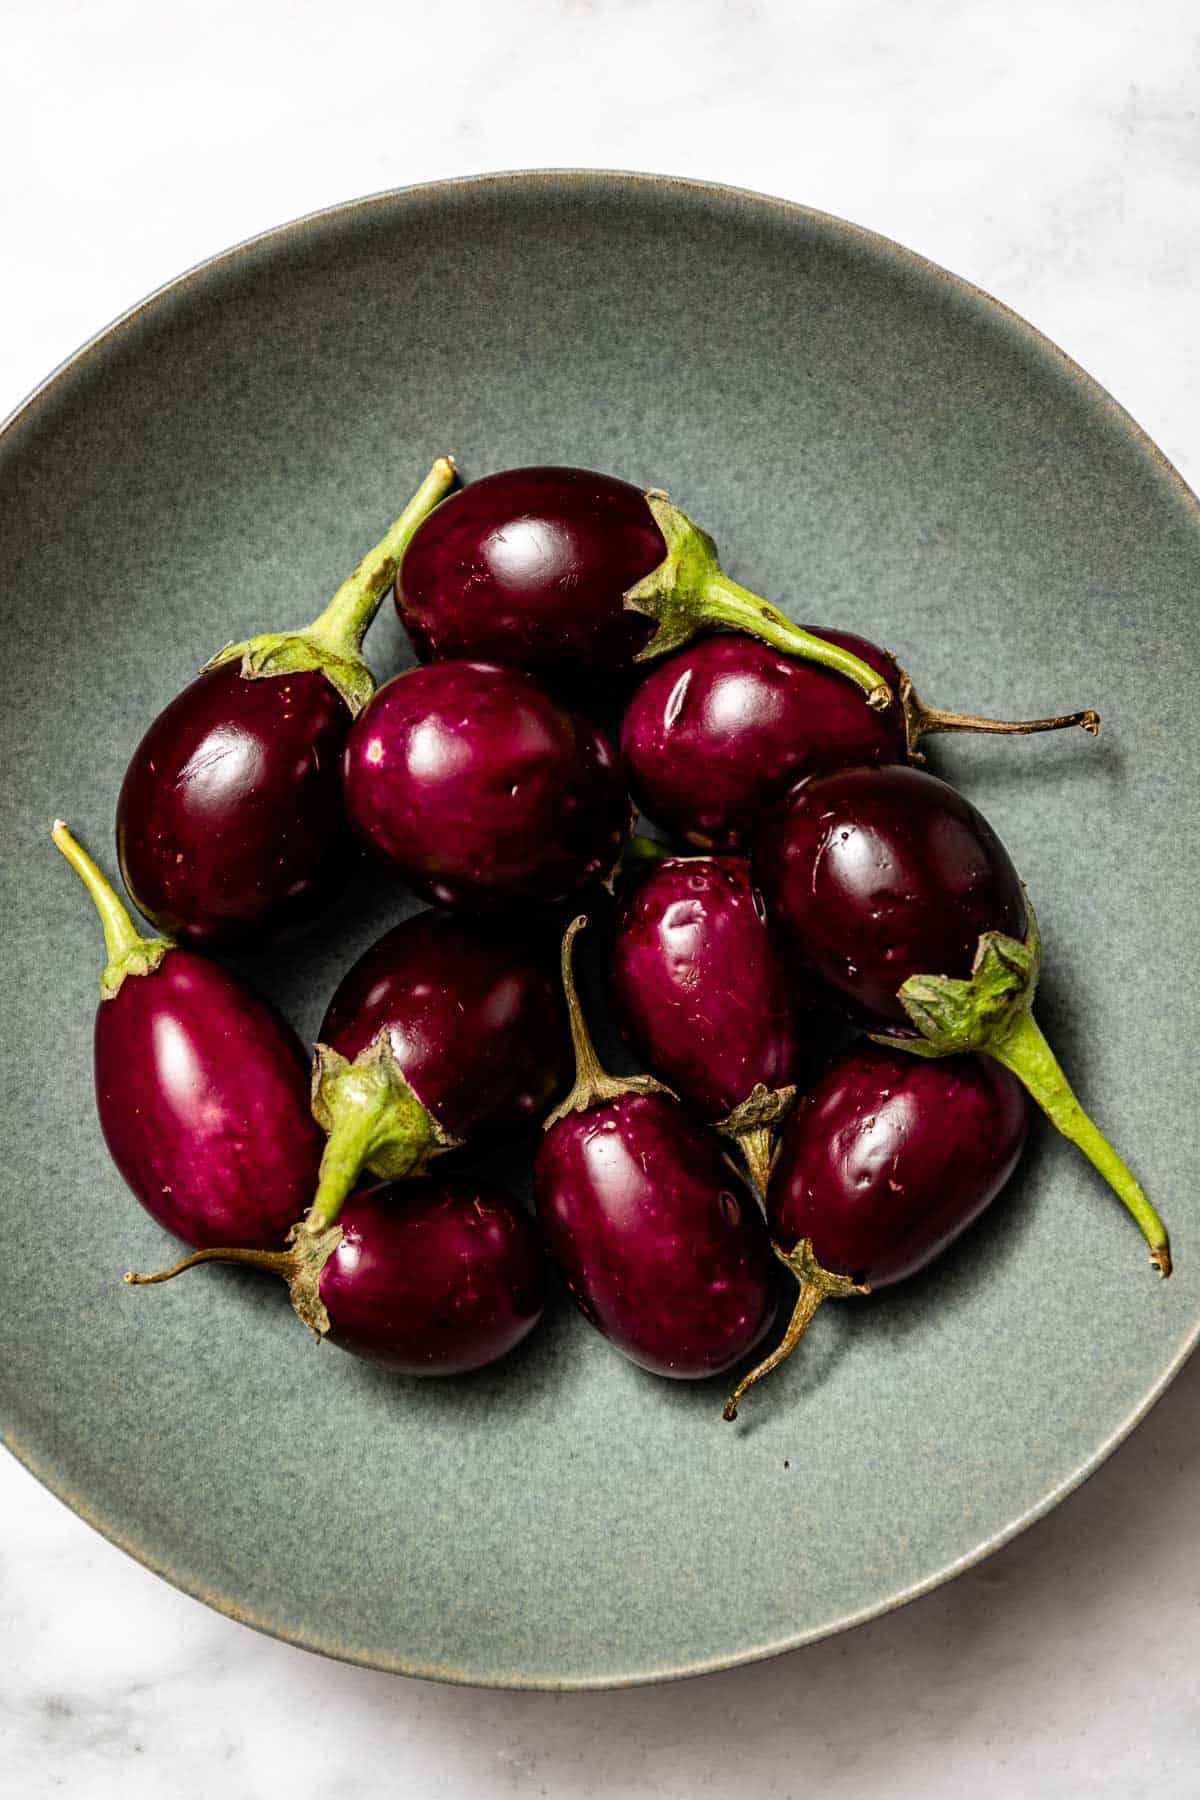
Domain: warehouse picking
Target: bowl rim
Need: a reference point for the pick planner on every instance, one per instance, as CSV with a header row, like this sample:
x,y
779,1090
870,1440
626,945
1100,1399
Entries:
x,y
859,237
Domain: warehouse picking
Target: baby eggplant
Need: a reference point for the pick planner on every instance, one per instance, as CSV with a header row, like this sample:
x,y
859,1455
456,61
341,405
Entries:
x,y
481,789
443,1033
876,874
663,1250
420,1277
564,571
881,1166
725,727
201,1088
896,891
229,822
703,997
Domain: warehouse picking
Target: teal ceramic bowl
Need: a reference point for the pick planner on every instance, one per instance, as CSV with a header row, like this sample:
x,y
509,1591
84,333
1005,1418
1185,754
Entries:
x,y
876,445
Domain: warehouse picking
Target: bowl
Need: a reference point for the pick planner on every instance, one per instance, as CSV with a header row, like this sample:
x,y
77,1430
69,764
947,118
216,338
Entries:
x,y
874,444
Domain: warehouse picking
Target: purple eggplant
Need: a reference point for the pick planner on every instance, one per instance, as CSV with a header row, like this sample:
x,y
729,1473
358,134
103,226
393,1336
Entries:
x,y
230,822
703,997
897,892
201,1088
481,789
567,572
724,728
445,1033
419,1277
878,874
663,1250
881,1166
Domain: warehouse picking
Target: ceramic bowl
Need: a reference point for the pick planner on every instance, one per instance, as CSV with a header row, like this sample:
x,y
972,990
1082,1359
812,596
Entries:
x,y
874,444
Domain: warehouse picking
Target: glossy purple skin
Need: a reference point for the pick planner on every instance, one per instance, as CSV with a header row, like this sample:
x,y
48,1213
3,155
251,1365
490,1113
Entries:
x,y
724,728
890,1156
699,987
530,567
230,822
474,1014
662,1248
874,875
433,1277
481,789
203,1097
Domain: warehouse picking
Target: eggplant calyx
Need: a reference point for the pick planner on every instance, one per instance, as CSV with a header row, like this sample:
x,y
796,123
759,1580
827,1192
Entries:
x,y
275,653
991,1011
310,1251
689,592
331,645
140,959
954,1016
297,654
373,1120
817,1285
300,1266
672,593
753,1125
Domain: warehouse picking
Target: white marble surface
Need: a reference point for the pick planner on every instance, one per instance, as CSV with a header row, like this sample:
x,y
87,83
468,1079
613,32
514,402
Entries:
x,y
1049,151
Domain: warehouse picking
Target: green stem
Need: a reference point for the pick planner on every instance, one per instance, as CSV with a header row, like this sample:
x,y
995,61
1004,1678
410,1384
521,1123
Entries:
x,y
689,592
727,603
343,624
129,952
359,1133
1023,1049
121,935
373,1121
332,644
991,1011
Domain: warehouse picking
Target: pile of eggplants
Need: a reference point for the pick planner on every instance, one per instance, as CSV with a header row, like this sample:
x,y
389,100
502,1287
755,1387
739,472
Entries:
x,y
826,963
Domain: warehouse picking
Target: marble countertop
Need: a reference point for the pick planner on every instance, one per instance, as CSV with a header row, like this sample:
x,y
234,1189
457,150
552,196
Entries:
x,y
1052,154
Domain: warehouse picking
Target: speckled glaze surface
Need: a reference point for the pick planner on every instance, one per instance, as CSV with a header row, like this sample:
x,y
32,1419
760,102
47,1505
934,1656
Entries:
x,y
873,444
